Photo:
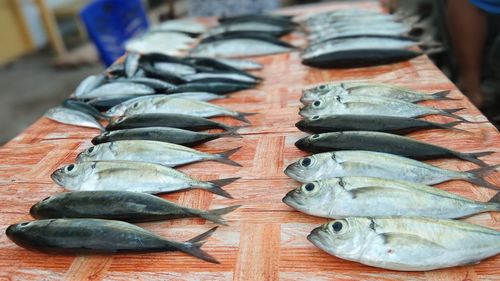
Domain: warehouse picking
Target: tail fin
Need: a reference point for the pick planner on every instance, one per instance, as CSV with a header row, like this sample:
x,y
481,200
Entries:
x,y
476,176
215,215
442,95
474,157
193,246
495,199
224,157
230,134
451,125
449,113
241,116
217,184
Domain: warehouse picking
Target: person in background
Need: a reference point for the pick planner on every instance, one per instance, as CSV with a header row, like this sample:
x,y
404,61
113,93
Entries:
x,y
218,8
467,24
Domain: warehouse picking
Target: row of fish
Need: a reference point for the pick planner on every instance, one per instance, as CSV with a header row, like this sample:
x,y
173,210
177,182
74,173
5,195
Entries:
x,y
356,38
386,212
151,122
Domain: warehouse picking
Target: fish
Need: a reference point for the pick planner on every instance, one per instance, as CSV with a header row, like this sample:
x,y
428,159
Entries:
x,y
222,76
179,68
163,134
132,63
382,165
96,235
85,108
89,83
119,205
374,197
378,123
165,104
73,117
279,20
360,105
370,89
200,96
181,121
240,47
242,64
157,84
218,87
272,29
162,74
188,26
406,243
383,142
131,176
167,154
118,88
362,57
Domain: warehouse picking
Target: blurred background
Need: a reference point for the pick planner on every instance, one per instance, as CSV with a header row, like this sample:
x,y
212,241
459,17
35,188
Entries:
x,y
46,49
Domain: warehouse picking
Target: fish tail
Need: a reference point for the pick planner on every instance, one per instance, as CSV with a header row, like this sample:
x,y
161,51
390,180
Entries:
x,y
449,113
442,95
475,176
233,128
216,214
474,157
496,199
230,134
193,246
242,116
451,125
224,157
216,186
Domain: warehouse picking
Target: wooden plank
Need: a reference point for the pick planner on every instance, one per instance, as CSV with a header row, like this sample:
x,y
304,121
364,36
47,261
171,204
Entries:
x,y
265,239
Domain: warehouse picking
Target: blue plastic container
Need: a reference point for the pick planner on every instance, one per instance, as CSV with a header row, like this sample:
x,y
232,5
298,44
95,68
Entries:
x,y
110,23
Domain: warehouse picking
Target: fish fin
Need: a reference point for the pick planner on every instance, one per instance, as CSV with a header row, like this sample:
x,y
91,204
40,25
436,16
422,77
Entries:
x,y
230,134
224,157
193,246
475,176
218,184
215,215
474,157
449,113
242,116
442,95
495,199
451,125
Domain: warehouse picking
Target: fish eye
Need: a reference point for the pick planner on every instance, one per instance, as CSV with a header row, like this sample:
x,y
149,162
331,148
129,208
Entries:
x,y
315,136
70,167
309,187
336,227
322,87
90,149
317,103
136,105
315,117
305,162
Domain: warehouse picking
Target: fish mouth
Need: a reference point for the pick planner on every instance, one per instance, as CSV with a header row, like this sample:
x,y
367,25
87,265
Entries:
x,y
300,125
55,176
291,200
96,140
300,144
305,100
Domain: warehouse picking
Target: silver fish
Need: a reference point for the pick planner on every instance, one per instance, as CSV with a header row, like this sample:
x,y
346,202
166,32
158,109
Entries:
x,y
406,243
89,83
201,96
241,64
132,63
374,197
165,104
383,165
220,75
177,68
131,176
167,154
73,117
118,88
364,105
239,47
371,90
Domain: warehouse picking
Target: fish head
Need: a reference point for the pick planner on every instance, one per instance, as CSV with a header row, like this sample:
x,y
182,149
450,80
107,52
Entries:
x,y
91,153
305,142
73,175
312,94
117,110
101,138
345,238
25,234
317,107
47,207
314,167
310,196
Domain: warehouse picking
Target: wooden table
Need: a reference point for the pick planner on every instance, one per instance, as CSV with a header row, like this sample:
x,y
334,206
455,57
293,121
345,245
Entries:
x,y
266,240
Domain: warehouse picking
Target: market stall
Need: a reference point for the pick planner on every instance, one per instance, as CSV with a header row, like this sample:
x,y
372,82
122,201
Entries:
x,y
265,239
